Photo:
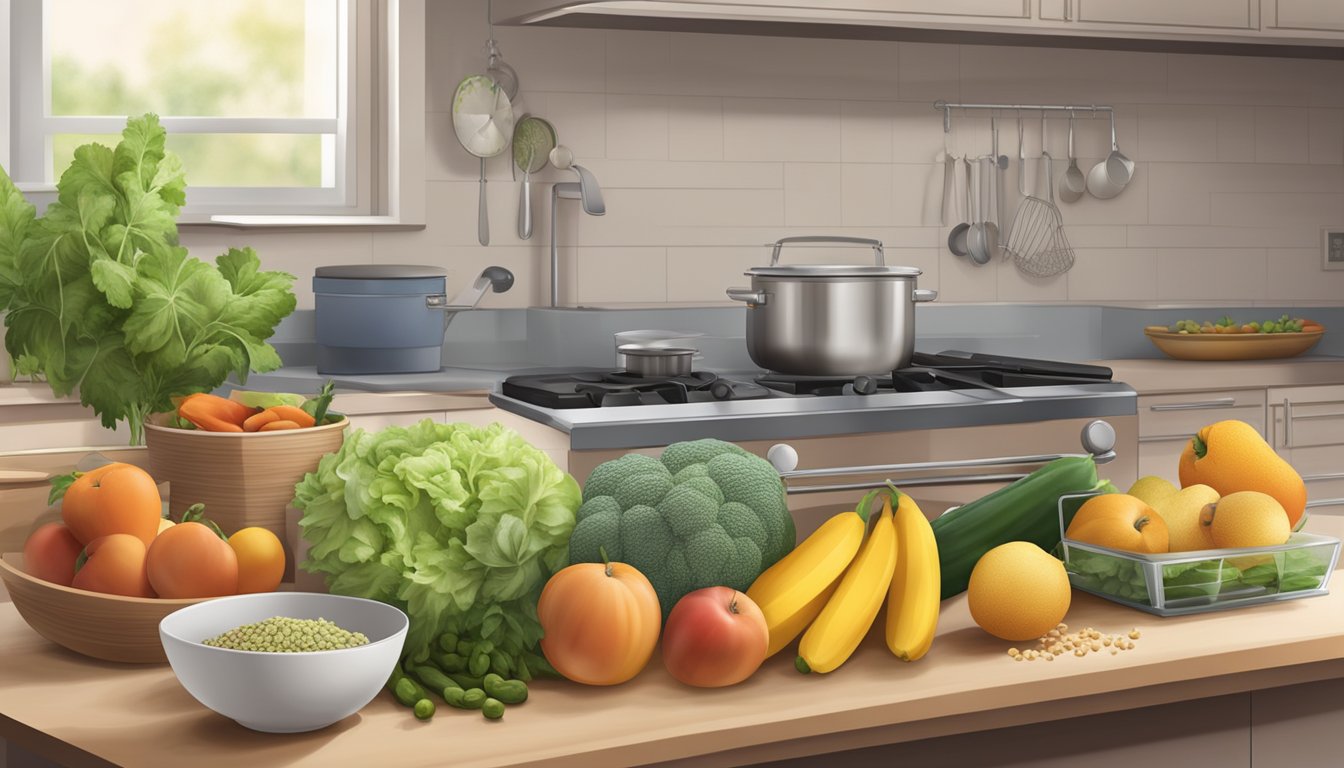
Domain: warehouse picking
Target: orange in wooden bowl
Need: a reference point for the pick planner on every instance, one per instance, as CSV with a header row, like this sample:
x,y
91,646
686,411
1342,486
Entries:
x,y
109,627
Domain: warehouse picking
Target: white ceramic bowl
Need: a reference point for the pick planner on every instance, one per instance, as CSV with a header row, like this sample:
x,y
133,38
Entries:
x,y
283,692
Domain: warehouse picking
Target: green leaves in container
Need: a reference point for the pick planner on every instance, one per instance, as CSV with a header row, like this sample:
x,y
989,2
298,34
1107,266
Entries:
x,y
1108,574
1202,578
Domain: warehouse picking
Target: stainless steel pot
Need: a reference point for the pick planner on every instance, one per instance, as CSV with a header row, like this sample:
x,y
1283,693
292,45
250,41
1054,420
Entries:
x,y
831,320
643,360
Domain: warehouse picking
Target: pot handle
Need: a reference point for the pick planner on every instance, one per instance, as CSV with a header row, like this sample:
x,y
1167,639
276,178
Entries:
x,y
876,245
924,294
747,295
497,279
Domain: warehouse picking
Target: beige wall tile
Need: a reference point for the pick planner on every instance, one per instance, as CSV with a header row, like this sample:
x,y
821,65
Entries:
x,y
1202,79
812,193
1236,135
1101,274
580,122
638,62
622,275
1295,274
1325,140
537,54
782,67
662,216
1015,285
1222,274
962,281
917,194
866,194
1280,135
866,131
781,129
1221,237
1187,134
695,127
1036,75
637,127
702,274
659,174
1306,209
917,134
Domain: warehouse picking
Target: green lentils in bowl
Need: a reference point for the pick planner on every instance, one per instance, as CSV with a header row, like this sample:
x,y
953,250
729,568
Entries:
x,y
281,634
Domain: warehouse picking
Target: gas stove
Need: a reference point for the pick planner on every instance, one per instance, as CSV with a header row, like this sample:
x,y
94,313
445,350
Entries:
x,y
616,409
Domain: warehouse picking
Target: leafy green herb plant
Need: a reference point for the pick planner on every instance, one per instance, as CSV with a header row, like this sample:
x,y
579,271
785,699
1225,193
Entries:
x,y
103,300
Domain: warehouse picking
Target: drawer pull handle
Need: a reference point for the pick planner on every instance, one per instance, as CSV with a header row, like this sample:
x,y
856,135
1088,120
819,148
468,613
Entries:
x,y
1200,405
1323,476
1319,416
1287,423
1325,503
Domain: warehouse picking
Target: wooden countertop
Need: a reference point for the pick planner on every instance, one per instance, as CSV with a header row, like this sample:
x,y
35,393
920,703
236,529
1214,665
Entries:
x,y
1157,375
86,713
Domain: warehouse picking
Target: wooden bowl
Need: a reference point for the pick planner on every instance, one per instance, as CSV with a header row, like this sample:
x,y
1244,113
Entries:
x,y
1233,346
243,478
109,627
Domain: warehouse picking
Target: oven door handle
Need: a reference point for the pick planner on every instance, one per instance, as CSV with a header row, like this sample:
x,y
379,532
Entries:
x,y
1007,477
1097,438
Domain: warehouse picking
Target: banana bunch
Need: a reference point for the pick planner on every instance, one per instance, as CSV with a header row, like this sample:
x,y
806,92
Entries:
x,y
833,583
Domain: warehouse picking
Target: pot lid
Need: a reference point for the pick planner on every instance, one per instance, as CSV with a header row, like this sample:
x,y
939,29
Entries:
x,y
380,272
833,270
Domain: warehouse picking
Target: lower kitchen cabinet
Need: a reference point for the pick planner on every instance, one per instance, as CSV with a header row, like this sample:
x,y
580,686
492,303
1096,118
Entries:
x,y
1167,421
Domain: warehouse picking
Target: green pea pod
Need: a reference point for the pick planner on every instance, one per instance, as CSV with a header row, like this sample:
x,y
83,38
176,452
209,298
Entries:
x,y
451,662
448,642
396,675
405,692
424,709
507,691
465,681
500,663
493,709
473,698
432,677
480,664
455,697
522,672
485,646
465,648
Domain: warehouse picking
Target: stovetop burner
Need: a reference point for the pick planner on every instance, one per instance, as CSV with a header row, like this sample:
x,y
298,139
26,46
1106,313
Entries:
x,y
950,370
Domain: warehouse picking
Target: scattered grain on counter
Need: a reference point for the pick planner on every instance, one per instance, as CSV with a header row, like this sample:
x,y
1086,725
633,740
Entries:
x,y
281,634
1059,641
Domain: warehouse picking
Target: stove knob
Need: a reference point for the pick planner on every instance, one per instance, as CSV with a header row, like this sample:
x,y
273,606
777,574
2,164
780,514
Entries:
x,y
783,457
1098,437
722,390
864,385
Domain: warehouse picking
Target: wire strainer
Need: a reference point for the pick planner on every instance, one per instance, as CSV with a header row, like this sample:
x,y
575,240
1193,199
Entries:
x,y
1037,242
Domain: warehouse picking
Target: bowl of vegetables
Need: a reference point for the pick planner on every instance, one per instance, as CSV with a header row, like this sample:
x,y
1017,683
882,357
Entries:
x,y
227,454
1228,339
284,662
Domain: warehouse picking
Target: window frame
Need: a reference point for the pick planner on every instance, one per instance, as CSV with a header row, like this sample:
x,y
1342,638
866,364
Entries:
x,y
381,99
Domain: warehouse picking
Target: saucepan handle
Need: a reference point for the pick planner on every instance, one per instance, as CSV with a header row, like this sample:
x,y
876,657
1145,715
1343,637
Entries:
x,y
924,294
876,245
748,295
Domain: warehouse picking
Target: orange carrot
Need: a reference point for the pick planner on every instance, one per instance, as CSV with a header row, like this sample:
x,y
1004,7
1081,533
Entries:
x,y
278,425
260,419
294,414
214,414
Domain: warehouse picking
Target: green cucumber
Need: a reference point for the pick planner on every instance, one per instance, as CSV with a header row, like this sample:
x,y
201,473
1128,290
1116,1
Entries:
x,y
1027,510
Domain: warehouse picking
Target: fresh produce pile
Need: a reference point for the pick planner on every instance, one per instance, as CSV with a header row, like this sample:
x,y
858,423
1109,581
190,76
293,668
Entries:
x,y
114,540
244,411
102,298
1237,493
457,525
1226,324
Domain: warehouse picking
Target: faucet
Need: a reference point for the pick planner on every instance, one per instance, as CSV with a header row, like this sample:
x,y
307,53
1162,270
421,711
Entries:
x,y
585,190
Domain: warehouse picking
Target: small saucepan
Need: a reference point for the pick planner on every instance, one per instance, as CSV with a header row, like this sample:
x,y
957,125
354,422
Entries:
x,y
643,360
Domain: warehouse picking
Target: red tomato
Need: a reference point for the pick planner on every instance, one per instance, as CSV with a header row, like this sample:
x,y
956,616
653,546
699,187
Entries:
x,y
715,637
50,554
114,564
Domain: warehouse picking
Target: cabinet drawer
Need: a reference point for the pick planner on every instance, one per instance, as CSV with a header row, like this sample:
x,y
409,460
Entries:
x,y
1222,14
1308,14
1164,417
1299,424
1161,458
1322,469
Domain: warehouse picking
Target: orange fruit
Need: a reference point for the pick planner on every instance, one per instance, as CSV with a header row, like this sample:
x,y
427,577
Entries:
x,y
1119,521
1231,456
261,559
1247,519
1018,591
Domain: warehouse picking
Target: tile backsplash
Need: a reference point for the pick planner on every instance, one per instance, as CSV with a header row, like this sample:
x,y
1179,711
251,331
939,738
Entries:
x,y
709,146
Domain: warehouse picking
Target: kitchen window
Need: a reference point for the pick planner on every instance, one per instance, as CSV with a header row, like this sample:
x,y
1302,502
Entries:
x,y
276,107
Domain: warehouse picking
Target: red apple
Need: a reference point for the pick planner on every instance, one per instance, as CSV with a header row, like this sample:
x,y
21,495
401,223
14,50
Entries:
x,y
50,554
715,637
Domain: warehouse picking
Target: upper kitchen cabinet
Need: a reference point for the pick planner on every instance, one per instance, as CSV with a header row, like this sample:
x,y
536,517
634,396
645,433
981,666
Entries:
x,y
1314,28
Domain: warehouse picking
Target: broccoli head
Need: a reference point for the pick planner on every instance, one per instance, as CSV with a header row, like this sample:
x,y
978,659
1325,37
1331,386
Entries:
x,y
706,514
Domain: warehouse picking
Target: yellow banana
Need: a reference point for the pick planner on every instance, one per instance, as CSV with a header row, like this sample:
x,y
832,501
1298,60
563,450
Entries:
x,y
794,590
851,610
916,586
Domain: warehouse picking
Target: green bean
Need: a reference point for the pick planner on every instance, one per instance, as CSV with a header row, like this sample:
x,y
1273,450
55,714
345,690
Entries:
x,y
455,697
405,692
424,709
493,709
500,663
451,662
485,646
448,641
473,698
465,681
507,691
465,648
432,677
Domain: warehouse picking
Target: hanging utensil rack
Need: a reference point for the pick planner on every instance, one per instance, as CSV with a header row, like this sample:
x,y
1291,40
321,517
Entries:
x,y
1091,110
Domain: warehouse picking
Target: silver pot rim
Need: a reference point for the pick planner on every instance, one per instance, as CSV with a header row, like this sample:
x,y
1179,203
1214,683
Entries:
x,y
835,270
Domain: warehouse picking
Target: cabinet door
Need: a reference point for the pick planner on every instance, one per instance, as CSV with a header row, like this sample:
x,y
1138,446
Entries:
x,y
1217,14
1001,9
1326,15
1184,414
1322,469
1306,417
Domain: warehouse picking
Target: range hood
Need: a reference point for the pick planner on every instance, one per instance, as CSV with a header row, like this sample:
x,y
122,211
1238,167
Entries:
x,y
984,22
